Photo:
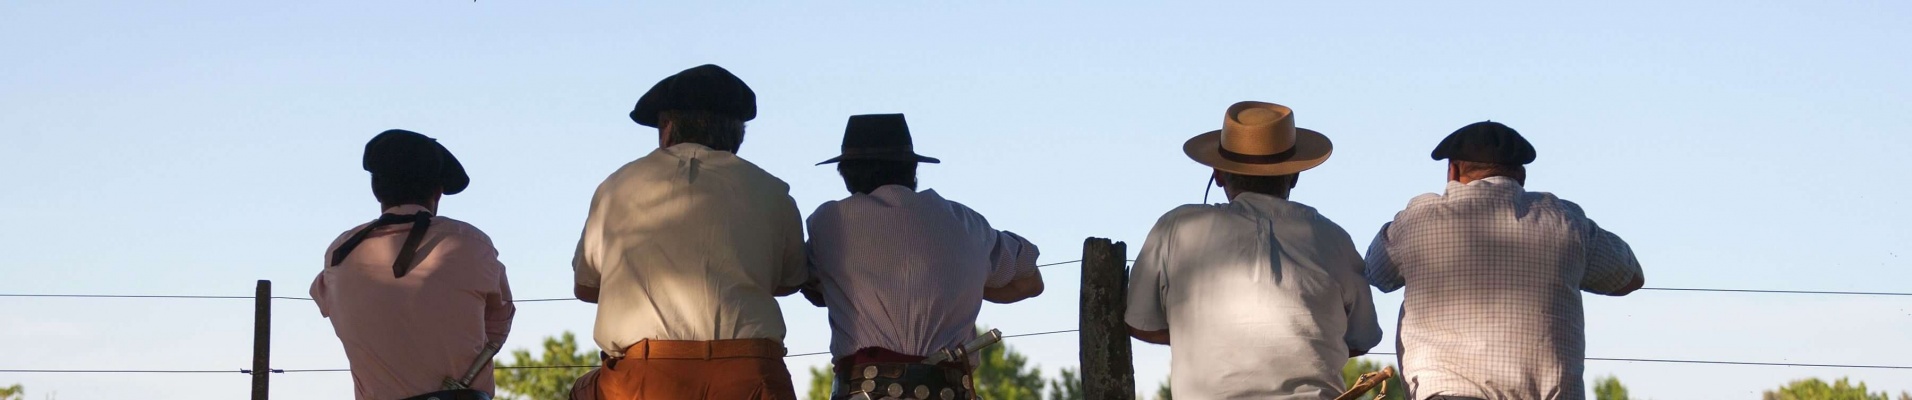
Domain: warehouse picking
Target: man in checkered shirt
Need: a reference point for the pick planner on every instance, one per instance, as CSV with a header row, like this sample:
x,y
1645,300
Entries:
x,y
1494,274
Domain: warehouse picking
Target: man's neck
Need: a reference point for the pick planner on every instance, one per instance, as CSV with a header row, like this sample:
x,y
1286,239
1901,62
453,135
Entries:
x,y
432,208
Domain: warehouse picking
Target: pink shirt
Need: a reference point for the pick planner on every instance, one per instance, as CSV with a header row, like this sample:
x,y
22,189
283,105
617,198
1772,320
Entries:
x,y
404,336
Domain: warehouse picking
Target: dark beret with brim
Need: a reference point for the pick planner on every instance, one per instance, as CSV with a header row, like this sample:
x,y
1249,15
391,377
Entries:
x,y
405,154
1486,142
702,88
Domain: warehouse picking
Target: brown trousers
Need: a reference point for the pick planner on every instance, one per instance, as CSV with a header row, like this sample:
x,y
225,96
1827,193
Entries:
x,y
718,378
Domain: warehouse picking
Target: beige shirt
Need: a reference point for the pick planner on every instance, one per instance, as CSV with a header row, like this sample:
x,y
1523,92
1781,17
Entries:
x,y
404,336
689,243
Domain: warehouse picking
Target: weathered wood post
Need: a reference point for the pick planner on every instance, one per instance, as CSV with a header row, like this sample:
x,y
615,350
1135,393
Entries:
x,y
1108,369
261,339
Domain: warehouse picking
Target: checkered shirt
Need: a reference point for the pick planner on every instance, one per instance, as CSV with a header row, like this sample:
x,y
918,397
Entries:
x,y
1493,275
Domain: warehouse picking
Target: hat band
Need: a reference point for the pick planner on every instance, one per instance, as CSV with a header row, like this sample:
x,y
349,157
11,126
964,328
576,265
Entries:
x,y
864,151
1258,158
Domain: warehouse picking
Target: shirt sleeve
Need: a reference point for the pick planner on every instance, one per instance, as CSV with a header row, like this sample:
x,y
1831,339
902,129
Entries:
x,y
1364,327
796,263
1012,256
1610,262
1146,310
318,295
499,310
1381,271
584,266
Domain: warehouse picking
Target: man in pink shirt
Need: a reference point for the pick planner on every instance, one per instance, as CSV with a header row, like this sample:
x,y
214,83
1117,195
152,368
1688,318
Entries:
x,y
414,297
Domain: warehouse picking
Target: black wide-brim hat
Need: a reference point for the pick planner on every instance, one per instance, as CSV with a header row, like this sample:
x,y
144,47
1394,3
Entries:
x,y
407,154
884,137
702,88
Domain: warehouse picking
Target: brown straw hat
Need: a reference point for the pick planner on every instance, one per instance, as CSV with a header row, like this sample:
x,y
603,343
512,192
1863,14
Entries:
x,y
1260,139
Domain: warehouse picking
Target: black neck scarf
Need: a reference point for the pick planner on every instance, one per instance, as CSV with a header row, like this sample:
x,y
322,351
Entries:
x,y
420,221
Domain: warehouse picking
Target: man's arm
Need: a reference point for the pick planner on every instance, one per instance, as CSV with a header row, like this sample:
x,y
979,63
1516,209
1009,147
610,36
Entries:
x,y
1014,275
1157,337
1024,286
1611,267
499,311
796,253
1381,271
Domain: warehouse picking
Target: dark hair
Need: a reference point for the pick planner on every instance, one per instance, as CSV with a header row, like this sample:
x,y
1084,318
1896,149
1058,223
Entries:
x,y
1269,185
713,130
1481,170
394,190
864,176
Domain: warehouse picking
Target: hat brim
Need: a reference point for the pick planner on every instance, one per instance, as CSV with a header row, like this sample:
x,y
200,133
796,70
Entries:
x,y
452,173
906,157
1311,149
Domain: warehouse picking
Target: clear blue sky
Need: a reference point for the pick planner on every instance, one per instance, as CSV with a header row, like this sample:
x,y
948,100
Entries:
x,y
192,148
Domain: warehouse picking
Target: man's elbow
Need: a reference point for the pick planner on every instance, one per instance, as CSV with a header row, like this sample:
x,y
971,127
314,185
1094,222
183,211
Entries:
x,y
586,293
1160,337
1639,281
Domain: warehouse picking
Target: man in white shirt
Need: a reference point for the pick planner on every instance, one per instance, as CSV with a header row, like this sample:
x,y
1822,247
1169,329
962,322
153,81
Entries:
x,y
414,297
1493,275
1263,296
904,273
685,251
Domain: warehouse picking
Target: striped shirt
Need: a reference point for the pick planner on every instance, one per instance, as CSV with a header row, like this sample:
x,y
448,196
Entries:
x,y
1493,275
905,270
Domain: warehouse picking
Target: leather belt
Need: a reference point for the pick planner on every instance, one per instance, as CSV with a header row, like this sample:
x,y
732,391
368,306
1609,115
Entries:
x,y
648,349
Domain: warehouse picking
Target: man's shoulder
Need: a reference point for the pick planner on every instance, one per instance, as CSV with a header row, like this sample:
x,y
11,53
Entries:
x,y
460,229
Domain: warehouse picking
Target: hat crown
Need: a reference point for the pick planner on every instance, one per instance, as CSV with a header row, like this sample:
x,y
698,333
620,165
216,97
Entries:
x,y
1488,142
705,87
399,152
877,132
1254,128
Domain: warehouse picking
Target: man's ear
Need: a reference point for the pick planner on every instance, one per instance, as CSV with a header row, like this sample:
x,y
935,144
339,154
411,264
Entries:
x,y
1296,180
1216,176
664,133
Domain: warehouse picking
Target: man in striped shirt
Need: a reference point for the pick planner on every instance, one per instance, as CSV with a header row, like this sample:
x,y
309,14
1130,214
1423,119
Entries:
x,y
1493,275
904,272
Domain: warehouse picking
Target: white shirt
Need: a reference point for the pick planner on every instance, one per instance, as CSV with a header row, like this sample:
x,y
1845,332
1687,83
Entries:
x,y
404,336
905,270
1493,275
1262,298
689,243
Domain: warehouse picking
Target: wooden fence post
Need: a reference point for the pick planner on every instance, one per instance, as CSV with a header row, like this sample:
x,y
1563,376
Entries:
x,y
1108,369
261,339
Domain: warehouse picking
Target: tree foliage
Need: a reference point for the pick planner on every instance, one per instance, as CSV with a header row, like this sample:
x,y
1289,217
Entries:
x,y
544,383
820,381
1609,388
1162,392
15,392
1815,389
1068,386
1397,389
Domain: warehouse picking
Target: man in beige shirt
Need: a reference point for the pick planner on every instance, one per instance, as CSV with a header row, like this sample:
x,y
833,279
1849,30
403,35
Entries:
x,y
685,251
414,297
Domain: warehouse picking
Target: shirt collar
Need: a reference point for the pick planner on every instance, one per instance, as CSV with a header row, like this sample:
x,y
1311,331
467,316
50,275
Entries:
x,y
407,209
1260,200
1490,184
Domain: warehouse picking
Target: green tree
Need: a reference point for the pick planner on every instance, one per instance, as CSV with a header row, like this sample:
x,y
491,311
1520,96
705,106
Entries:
x,y
1815,389
15,392
1162,392
544,383
1068,386
1397,390
820,381
1609,388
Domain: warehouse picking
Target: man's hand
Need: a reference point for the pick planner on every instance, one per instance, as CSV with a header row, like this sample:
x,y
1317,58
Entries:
x,y
1023,287
586,293
1157,337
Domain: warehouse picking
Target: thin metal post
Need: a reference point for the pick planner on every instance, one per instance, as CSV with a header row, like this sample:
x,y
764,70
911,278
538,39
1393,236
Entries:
x,y
261,339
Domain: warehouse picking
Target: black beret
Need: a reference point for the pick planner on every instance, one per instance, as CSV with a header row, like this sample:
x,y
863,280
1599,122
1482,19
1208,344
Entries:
x,y
1487,142
407,154
702,88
